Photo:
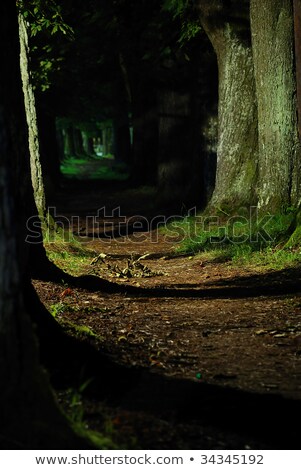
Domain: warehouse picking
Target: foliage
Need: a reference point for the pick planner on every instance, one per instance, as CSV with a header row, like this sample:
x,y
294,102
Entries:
x,y
45,19
44,16
184,9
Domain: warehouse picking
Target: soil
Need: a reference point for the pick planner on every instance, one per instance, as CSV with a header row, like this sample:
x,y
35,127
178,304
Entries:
x,y
192,353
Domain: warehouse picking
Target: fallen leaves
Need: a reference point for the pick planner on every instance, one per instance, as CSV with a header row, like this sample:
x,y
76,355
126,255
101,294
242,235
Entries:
x,y
133,268
66,292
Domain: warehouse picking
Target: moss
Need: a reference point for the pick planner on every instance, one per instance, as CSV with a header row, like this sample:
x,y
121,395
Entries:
x,y
295,238
94,439
79,330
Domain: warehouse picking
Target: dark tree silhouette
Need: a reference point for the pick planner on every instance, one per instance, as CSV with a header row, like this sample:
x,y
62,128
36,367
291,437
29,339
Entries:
x,y
29,415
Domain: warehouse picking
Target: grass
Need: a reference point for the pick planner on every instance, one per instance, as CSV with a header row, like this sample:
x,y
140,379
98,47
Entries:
x,y
67,252
259,243
93,169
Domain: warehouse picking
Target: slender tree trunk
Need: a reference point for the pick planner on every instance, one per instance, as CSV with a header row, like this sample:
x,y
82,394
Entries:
x,y
279,148
31,117
237,151
60,143
69,147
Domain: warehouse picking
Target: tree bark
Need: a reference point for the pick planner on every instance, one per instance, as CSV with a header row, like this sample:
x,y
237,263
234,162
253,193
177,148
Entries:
x,y
279,147
297,28
237,151
31,117
29,415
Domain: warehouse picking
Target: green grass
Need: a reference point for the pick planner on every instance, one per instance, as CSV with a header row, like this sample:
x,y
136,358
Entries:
x,y
67,252
93,169
57,309
263,244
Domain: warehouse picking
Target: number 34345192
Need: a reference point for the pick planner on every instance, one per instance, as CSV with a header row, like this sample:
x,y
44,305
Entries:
x,y
235,459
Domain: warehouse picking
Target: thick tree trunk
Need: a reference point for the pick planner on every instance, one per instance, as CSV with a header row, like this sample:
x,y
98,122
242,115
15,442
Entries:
x,y
237,150
297,28
31,117
29,415
279,148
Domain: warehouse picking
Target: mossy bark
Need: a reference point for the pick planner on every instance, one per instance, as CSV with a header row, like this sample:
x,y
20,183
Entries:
x,y
279,147
31,117
297,31
237,151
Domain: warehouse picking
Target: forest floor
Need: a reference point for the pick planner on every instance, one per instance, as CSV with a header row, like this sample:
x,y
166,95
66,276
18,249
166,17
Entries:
x,y
207,352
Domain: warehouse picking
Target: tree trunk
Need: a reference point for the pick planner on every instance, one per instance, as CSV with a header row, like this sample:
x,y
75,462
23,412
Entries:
x,y
176,143
87,143
78,142
279,148
69,147
122,138
144,163
297,27
237,149
29,415
31,117
107,141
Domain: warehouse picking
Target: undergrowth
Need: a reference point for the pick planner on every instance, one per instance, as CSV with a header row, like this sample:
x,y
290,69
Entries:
x,y
67,252
266,243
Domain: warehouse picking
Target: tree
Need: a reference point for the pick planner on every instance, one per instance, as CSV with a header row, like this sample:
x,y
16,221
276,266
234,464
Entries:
x,y
279,147
32,123
258,148
297,28
228,28
29,415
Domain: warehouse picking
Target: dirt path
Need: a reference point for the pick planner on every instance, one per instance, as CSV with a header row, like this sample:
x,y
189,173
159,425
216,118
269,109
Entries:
x,y
211,323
